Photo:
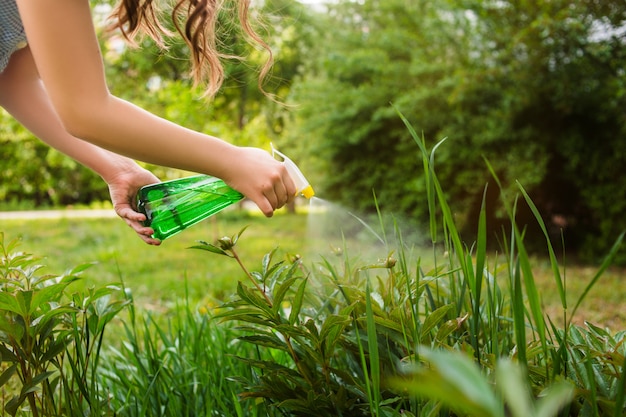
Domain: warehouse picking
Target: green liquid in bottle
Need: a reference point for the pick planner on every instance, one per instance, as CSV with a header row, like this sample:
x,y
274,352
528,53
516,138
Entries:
x,y
173,206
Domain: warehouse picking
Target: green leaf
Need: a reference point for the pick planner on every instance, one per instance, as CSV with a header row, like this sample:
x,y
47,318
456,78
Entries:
x,y
55,348
297,331
233,314
331,330
372,343
455,380
13,404
43,320
267,259
553,261
211,248
12,328
512,383
9,302
6,355
266,340
433,319
77,270
7,374
49,294
238,235
253,298
297,302
312,327
554,399
271,366
621,391
446,330
33,384
24,300
279,294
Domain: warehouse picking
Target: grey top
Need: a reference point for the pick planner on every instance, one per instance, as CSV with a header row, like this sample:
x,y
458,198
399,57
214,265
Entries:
x,y
12,36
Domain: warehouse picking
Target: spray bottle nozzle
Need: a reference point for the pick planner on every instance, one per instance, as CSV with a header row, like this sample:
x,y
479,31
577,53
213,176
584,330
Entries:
x,y
298,178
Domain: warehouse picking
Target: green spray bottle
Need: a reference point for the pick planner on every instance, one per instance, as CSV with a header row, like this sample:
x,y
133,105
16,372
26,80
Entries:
x,y
173,206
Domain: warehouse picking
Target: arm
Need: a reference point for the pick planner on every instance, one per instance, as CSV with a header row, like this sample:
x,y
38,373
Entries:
x,y
65,48
22,94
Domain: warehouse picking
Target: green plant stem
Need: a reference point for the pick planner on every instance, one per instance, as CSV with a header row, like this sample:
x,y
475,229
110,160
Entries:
x,y
245,270
27,378
292,351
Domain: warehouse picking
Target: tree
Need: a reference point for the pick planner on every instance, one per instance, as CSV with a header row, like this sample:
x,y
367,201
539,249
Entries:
x,y
34,175
524,84
555,122
373,56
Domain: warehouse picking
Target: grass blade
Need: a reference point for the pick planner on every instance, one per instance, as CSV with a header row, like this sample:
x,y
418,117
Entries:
x,y
553,262
372,341
608,260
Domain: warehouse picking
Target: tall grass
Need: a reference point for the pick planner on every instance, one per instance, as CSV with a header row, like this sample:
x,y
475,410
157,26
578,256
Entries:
x,y
179,365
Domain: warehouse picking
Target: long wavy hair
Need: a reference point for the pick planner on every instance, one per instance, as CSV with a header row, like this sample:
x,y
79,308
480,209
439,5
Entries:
x,y
197,22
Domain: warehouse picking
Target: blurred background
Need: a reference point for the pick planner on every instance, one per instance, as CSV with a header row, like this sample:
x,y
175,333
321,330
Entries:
x,y
535,89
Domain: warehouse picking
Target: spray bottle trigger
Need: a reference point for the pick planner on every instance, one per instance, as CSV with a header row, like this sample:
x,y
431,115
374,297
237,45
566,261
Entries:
x,y
302,184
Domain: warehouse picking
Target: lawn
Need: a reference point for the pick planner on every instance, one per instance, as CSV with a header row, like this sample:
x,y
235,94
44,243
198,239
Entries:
x,y
159,276
156,275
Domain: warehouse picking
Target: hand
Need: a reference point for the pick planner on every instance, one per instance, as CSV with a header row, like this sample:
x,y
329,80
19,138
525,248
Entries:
x,y
261,178
123,188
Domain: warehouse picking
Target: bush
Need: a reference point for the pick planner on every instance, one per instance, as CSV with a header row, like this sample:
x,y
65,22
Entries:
x,y
50,341
465,335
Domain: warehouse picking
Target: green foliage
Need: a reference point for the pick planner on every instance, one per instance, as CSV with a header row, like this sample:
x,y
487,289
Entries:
x,y
49,342
459,384
366,58
316,380
179,365
34,175
468,336
534,87
463,333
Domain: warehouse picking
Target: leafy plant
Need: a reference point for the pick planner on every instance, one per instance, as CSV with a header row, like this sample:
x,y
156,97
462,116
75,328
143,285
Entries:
x,y
351,332
317,380
50,342
455,380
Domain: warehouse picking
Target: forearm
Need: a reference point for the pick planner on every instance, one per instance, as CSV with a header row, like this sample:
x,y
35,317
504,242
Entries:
x,y
22,94
63,42
64,46
127,129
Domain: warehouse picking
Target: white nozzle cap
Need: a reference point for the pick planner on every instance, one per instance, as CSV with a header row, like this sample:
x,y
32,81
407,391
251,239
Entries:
x,y
298,178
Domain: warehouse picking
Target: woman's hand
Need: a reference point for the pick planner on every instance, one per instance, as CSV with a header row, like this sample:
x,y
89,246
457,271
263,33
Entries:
x,y
264,180
123,188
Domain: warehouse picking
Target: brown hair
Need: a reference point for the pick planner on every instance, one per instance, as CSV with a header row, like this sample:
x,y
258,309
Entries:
x,y
196,21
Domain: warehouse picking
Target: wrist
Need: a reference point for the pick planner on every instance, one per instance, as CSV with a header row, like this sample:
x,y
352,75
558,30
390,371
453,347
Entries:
x,y
118,167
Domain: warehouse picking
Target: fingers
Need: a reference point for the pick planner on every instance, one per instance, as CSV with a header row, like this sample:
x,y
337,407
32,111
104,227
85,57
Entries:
x,y
277,195
134,219
261,178
123,188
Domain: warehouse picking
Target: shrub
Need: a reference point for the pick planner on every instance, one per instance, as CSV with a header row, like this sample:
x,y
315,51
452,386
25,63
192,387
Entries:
x,y
50,341
463,336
